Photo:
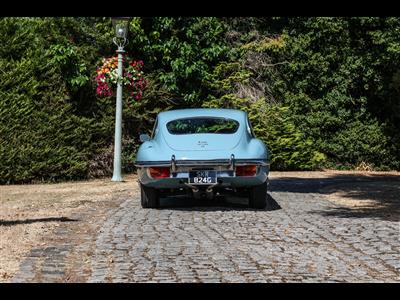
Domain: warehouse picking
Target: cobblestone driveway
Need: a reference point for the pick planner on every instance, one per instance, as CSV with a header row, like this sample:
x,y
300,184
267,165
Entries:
x,y
299,238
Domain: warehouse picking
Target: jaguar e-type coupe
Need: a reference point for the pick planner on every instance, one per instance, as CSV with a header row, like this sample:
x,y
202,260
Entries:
x,y
202,153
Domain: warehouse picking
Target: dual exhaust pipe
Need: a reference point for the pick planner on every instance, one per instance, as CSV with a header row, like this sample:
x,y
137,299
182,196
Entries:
x,y
208,193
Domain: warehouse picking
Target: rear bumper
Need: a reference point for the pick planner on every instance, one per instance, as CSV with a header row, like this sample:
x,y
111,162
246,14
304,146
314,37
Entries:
x,y
179,179
208,162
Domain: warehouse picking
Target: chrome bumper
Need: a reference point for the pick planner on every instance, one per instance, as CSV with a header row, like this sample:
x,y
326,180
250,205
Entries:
x,y
208,162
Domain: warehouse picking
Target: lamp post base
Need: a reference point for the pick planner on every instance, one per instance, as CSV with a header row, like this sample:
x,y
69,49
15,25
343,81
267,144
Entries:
x,y
117,178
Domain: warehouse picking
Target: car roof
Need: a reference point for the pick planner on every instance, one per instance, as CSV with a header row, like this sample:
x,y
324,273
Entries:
x,y
235,114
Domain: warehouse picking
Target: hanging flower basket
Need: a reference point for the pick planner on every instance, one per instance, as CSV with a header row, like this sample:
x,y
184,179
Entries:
x,y
133,77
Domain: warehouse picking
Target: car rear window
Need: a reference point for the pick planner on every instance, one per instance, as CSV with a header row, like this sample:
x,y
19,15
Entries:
x,y
203,125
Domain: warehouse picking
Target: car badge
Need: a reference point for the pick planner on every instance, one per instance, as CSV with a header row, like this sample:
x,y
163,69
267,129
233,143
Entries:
x,y
202,144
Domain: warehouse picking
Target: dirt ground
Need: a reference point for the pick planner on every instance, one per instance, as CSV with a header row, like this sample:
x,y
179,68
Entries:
x,y
29,213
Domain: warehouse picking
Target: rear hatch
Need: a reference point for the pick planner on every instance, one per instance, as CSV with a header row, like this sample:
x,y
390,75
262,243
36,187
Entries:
x,y
203,142
205,133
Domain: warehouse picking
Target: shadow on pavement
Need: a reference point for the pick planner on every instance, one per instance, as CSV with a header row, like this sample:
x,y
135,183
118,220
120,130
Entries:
x,y
370,196
30,221
361,196
314,185
385,214
219,204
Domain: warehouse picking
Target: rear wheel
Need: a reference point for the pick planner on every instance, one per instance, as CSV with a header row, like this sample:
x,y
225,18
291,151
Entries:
x,y
149,197
258,196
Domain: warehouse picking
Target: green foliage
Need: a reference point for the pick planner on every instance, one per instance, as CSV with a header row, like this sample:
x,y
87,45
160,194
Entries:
x,y
44,135
289,149
272,122
320,92
67,60
36,137
182,50
340,81
226,75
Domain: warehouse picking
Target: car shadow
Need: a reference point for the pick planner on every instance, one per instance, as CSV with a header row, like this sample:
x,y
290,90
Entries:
x,y
221,203
384,196
39,220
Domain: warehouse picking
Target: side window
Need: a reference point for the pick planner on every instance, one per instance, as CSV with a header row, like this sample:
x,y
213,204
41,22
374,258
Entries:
x,y
249,128
155,129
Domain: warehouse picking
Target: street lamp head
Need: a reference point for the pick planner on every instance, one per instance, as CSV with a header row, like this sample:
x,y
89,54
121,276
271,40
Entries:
x,y
121,26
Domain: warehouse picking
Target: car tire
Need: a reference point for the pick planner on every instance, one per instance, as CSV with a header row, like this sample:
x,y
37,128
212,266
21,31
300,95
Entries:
x,y
149,197
258,196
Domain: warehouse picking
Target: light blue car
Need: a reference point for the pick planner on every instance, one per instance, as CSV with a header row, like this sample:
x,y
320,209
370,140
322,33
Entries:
x,y
202,153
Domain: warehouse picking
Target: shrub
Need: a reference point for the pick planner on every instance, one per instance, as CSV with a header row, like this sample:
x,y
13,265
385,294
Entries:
x,y
288,147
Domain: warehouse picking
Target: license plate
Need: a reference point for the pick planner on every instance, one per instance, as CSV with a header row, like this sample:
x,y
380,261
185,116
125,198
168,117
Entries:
x,y
202,177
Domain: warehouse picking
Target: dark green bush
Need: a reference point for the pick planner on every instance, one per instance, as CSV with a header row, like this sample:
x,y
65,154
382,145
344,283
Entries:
x,y
321,92
288,147
45,132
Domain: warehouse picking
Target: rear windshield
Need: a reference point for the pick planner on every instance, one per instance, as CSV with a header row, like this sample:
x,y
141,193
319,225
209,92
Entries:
x,y
202,125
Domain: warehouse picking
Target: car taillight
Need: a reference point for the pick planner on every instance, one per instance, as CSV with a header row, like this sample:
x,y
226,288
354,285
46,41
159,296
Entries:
x,y
246,170
159,172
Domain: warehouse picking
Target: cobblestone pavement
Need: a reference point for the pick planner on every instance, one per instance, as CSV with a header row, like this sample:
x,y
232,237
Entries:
x,y
298,238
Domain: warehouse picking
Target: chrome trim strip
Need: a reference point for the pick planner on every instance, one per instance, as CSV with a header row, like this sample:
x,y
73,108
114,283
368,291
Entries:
x,y
262,162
